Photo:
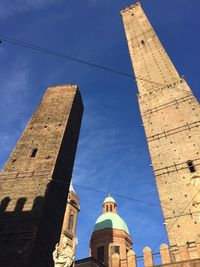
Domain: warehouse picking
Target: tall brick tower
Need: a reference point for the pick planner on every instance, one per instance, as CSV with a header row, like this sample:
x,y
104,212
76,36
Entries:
x,y
171,119
35,180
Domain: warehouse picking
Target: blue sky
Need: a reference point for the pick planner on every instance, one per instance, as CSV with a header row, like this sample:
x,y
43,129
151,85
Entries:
x,y
112,154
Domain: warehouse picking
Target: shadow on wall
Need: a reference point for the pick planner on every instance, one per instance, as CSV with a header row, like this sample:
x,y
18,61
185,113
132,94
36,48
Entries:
x,y
100,249
106,224
19,206
17,229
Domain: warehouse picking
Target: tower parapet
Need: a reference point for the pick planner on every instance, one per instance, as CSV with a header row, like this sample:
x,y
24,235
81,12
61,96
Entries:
x,y
167,257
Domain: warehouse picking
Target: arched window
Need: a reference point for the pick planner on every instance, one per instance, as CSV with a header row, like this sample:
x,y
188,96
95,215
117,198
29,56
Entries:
x,y
71,222
100,254
110,207
117,250
191,166
34,152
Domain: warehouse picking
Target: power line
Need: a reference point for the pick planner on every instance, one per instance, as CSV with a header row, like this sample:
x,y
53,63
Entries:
x,y
132,199
61,55
182,213
78,60
136,200
114,194
118,195
171,226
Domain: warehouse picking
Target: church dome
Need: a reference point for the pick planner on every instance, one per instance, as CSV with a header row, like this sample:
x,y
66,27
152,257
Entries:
x,y
110,234
110,220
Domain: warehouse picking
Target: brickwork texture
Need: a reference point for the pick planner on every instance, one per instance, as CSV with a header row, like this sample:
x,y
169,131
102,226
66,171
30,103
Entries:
x,y
171,119
35,180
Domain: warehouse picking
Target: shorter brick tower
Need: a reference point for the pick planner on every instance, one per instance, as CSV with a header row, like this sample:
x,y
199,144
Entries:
x,y
35,180
70,218
66,248
110,242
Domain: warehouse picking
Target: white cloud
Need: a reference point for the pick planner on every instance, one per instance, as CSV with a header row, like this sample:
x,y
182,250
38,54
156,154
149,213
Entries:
x,y
9,7
15,94
102,154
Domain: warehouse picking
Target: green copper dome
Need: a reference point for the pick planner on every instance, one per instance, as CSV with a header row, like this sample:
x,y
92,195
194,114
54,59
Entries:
x,y
109,199
110,220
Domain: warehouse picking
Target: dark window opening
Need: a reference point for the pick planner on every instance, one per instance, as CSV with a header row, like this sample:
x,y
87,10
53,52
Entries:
x,y
191,166
117,249
106,208
34,152
110,207
14,160
71,222
142,42
73,202
100,254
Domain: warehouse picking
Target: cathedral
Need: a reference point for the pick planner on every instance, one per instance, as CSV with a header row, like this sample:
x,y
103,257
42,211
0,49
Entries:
x,y
36,182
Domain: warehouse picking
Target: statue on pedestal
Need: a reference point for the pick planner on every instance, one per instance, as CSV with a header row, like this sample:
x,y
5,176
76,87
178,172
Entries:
x,y
64,254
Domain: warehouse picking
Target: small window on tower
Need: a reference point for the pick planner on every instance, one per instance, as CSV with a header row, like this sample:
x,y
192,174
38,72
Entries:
x,y
71,222
142,42
106,208
100,254
191,166
110,207
34,152
117,249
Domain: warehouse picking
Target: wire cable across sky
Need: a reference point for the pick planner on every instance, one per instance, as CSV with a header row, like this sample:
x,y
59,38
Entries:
x,y
61,55
74,59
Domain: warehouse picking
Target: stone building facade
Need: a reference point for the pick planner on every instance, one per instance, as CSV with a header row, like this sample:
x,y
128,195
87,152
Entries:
x,y
35,180
171,119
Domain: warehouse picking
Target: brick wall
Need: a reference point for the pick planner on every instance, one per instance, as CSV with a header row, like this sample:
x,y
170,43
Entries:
x,y
35,180
171,119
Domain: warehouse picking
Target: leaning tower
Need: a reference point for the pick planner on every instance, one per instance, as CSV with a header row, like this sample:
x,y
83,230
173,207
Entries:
x,y
171,119
35,180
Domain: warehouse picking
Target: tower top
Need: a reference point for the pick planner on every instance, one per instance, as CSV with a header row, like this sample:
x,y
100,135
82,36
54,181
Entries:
x,y
109,199
133,6
110,219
